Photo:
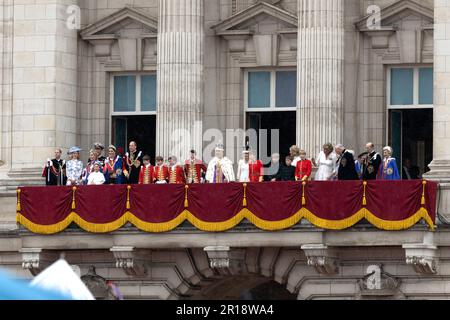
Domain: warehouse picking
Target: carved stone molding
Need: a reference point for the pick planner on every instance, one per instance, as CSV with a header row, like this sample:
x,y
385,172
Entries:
x,y
422,257
323,259
35,259
131,261
378,283
226,260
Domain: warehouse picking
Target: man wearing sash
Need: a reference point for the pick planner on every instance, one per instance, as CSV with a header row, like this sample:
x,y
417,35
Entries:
x,y
54,170
132,163
372,163
194,169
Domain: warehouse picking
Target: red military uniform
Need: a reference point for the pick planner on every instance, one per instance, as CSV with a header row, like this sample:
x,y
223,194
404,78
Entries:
x,y
161,174
303,169
255,171
193,170
176,175
146,174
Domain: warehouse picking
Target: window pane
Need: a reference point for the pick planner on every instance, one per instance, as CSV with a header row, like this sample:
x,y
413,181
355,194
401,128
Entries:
x,y
286,91
425,85
124,93
259,89
148,93
402,86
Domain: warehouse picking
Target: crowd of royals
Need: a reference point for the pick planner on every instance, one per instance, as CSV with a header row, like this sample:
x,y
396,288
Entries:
x,y
134,167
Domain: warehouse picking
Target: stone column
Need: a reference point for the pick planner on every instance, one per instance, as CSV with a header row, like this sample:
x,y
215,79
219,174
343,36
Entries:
x,y
180,77
44,84
440,167
320,74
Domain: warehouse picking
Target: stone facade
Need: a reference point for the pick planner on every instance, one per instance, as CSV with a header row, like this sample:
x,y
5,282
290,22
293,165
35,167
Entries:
x,y
56,91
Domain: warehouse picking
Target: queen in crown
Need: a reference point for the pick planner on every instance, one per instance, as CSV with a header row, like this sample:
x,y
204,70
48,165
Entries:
x,y
220,168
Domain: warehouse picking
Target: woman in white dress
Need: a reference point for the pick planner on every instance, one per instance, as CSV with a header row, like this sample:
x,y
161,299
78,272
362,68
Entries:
x,y
326,163
243,167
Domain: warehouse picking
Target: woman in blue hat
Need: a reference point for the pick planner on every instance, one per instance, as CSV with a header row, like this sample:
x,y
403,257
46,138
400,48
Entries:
x,y
74,167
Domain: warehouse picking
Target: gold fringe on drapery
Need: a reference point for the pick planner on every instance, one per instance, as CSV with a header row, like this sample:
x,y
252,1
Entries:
x,y
228,224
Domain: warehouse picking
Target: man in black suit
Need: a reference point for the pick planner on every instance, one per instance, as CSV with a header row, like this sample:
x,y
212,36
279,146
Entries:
x,y
410,172
346,164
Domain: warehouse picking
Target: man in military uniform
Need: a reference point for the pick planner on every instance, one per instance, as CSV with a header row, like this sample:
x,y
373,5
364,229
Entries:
x,y
54,170
194,169
98,147
132,163
372,163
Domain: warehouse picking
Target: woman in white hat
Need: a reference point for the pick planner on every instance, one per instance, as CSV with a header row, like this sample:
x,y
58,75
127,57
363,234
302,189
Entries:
x,y
74,167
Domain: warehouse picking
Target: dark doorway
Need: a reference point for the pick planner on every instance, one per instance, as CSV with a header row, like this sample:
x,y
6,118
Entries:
x,y
284,121
411,136
141,129
267,291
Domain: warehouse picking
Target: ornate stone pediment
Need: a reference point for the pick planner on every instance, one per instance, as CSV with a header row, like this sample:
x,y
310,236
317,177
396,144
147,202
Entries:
x,y
260,42
403,30
124,40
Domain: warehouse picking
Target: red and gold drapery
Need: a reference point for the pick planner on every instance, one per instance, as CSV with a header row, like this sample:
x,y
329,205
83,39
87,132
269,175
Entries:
x,y
388,205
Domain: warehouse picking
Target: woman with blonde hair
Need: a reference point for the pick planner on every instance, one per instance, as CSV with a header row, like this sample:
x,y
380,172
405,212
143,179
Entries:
x,y
326,163
388,169
294,152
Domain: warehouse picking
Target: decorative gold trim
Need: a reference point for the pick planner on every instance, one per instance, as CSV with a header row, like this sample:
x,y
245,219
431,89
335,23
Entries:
x,y
303,193
424,184
186,202
303,213
18,208
364,200
244,201
128,206
74,190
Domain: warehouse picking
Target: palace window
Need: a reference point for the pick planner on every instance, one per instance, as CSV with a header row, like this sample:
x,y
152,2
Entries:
x,y
270,90
134,94
133,111
270,100
410,87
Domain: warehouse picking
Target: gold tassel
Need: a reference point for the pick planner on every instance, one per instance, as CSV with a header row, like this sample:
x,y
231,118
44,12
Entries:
x,y
186,202
18,200
74,189
128,197
424,183
364,201
303,193
244,202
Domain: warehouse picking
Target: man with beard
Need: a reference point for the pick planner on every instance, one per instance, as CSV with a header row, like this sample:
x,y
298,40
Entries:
x,y
346,164
54,170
